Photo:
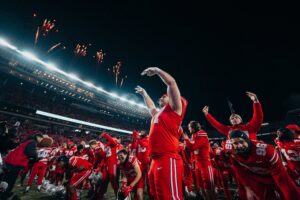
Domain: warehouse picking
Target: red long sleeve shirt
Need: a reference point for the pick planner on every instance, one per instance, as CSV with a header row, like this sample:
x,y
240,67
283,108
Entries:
x,y
199,144
250,128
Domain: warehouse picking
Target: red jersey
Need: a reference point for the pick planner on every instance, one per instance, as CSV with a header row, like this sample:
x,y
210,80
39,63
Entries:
x,y
221,159
291,153
111,148
199,144
127,169
99,154
76,162
143,150
263,165
44,154
184,155
132,149
163,135
70,152
250,128
86,154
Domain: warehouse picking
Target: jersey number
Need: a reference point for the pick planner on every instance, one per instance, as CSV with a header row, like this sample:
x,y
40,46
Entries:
x,y
291,155
261,149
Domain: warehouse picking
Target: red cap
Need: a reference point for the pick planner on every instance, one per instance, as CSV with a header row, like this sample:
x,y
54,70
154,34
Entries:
x,y
293,127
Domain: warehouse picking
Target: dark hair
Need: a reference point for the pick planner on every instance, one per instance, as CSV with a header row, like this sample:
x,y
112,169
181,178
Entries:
x,y
64,159
80,146
286,134
37,135
124,151
195,125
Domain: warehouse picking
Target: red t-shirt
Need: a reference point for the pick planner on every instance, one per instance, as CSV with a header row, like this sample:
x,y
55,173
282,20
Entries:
x,y
76,162
163,135
143,150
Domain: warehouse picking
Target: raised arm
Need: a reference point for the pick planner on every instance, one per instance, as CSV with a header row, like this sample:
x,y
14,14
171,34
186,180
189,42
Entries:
x,y
257,117
173,90
109,138
147,99
221,128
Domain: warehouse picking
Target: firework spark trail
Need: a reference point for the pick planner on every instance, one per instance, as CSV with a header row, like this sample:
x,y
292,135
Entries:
x,y
116,71
99,56
47,26
53,47
122,81
80,50
36,36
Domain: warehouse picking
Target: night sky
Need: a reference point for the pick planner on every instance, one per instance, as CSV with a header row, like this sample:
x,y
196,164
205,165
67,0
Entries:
x,y
213,49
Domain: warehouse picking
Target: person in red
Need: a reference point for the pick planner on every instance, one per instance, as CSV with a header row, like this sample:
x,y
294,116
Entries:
x,y
223,167
70,150
259,170
295,129
131,175
39,168
132,147
98,165
80,168
289,148
85,153
18,159
201,147
250,128
143,155
111,160
166,170
188,176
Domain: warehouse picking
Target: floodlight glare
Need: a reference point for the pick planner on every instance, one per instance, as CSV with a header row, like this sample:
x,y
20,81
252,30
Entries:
x,y
73,76
55,116
89,84
114,95
6,44
51,66
29,55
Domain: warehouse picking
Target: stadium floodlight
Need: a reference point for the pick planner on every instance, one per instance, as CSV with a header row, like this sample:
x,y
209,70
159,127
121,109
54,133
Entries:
x,y
73,76
77,121
114,95
131,102
141,105
3,42
30,56
89,84
123,99
99,88
51,66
